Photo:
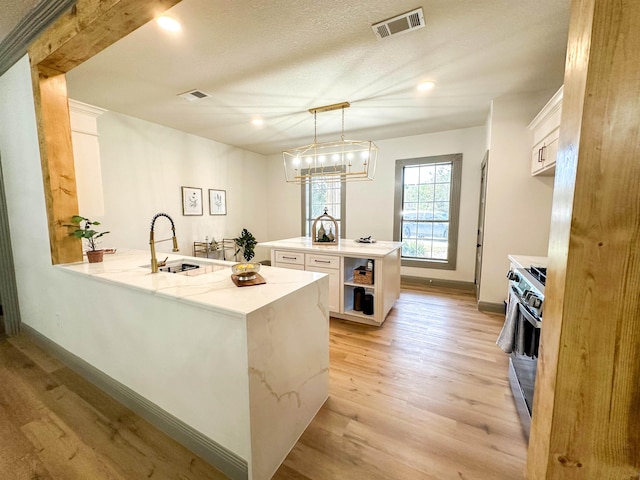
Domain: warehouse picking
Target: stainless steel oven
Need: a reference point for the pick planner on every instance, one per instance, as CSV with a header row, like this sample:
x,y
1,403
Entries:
x,y
520,336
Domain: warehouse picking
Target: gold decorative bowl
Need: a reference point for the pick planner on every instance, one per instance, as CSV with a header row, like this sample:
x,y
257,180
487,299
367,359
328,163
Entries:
x,y
245,271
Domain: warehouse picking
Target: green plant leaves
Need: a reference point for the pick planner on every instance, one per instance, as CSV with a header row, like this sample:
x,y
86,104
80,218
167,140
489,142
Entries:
x,y
82,230
246,242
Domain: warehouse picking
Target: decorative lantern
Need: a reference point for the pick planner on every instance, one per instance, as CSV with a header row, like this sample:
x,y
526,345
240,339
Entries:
x,y
324,230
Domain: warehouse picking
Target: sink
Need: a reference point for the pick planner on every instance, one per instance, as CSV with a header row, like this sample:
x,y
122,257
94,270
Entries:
x,y
189,267
178,268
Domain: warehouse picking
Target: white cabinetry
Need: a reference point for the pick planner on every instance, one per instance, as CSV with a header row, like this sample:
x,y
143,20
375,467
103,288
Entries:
x,y
546,132
331,266
86,157
292,260
328,264
340,267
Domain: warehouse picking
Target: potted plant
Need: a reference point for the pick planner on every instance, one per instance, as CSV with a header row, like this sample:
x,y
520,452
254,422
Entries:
x,y
246,243
83,229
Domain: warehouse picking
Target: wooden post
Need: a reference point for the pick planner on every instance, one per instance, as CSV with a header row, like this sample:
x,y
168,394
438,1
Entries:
x,y
586,415
87,29
56,156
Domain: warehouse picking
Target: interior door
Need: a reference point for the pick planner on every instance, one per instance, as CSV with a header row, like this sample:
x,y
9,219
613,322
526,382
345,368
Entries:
x,y
480,236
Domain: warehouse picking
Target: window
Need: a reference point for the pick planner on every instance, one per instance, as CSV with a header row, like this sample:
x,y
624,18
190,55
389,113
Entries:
x,y
427,205
321,193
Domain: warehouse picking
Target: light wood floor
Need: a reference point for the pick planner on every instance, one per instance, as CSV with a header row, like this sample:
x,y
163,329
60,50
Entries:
x,y
425,396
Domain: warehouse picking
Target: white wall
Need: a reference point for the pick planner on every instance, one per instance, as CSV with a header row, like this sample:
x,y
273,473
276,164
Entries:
x,y
370,204
22,176
42,306
144,166
518,206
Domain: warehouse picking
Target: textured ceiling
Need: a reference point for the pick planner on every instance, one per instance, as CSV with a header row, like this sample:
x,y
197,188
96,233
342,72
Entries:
x,y
279,58
11,12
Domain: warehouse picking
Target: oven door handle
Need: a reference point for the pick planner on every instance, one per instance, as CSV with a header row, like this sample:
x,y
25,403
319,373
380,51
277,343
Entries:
x,y
530,318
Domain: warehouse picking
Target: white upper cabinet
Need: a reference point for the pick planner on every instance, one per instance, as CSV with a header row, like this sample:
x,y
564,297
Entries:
x,y
546,131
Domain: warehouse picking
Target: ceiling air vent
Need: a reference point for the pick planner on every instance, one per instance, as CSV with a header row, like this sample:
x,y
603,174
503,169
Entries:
x,y
193,95
400,24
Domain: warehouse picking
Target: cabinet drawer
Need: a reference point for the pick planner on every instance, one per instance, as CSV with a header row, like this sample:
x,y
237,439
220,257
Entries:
x,y
295,258
322,261
290,266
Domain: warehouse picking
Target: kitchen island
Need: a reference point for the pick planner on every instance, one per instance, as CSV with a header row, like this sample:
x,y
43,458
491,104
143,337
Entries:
x,y
239,371
346,264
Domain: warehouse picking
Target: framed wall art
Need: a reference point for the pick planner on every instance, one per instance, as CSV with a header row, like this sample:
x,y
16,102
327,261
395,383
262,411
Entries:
x,y
217,202
191,201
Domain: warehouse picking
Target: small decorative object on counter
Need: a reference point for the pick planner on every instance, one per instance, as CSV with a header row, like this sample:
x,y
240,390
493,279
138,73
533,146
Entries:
x,y
246,244
83,229
365,240
246,274
246,271
319,234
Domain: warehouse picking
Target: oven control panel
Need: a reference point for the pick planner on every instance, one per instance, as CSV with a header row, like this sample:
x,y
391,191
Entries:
x,y
529,291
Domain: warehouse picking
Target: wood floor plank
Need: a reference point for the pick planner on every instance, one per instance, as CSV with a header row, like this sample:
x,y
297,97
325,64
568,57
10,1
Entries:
x,y
19,397
18,459
65,455
140,433
134,456
47,362
131,457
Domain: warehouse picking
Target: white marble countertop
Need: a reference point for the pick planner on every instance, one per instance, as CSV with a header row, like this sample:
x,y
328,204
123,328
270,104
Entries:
x,y
525,261
214,290
344,247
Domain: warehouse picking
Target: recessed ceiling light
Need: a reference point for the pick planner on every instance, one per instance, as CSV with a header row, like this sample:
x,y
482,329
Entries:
x,y
168,23
258,122
424,86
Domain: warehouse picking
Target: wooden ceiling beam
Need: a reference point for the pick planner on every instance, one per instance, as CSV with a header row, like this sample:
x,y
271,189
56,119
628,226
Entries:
x,y
90,27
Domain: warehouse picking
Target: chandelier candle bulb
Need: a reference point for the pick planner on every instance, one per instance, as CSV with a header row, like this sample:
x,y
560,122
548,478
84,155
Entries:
x,y
351,159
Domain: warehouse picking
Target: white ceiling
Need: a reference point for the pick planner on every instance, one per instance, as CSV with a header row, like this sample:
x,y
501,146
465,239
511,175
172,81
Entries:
x,y
276,59
11,12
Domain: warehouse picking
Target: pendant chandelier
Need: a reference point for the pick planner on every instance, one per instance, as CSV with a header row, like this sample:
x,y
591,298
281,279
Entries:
x,y
341,160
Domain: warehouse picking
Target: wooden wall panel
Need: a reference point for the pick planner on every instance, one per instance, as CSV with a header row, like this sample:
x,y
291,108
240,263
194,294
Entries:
x,y
586,418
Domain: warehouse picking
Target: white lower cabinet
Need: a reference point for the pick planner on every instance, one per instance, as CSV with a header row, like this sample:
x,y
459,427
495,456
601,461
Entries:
x,y
334,285
329,264
383,291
